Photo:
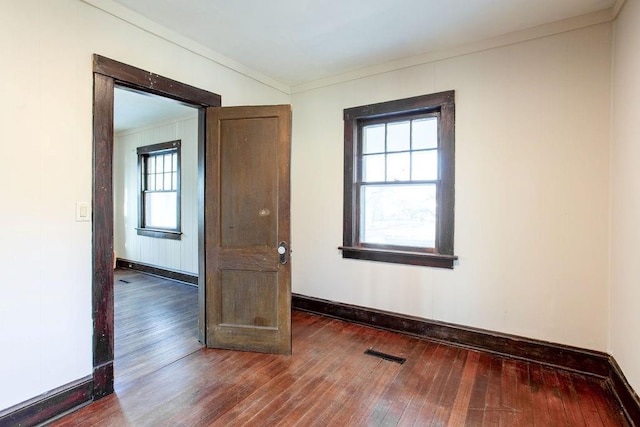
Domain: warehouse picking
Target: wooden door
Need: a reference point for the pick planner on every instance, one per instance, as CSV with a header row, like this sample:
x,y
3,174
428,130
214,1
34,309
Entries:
x,y
247,228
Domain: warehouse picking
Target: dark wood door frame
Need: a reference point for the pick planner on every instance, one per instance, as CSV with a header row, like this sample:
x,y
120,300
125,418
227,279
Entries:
x,y
107,74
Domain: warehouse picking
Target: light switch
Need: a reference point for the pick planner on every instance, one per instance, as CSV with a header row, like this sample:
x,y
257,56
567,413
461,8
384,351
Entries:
x,y
83,211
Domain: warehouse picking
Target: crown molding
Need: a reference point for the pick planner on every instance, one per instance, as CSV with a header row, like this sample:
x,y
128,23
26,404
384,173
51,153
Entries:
x,y
120,12
617,7
112,8
532,33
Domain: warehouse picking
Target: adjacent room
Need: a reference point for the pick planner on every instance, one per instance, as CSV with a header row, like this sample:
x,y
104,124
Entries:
x,y
155,320
437,225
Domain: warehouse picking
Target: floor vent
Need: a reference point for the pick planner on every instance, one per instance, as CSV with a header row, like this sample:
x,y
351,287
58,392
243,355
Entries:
x,y
124,281
385,356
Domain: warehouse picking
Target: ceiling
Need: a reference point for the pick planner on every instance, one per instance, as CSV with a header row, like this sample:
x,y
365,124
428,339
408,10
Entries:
x,y
295,42
134,109
300,41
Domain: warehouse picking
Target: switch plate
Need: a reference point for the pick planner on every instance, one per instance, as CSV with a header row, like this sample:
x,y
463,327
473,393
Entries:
x,y
83,211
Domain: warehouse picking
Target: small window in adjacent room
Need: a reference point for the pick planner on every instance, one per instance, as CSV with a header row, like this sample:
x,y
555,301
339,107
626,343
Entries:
x,y
399,181
159,201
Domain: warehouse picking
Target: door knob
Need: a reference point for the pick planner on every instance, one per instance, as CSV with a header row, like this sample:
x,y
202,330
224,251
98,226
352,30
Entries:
x,y
283,251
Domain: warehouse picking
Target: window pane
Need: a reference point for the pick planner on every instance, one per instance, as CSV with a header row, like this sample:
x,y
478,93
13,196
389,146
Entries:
x,y
400,215
373,168
174,181
160,210
167,180
174,158
425,133
159,164
425,165
398,136
159,182
151,164
398,167
373,139
167,163
151,182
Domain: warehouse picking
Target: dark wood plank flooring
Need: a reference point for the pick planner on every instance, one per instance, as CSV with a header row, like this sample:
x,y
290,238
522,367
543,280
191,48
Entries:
x,y
330,381
156,323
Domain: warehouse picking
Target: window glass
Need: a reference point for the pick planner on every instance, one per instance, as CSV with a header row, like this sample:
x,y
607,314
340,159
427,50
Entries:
x,y
424,133
159,164
160,210
373,168
400,215
424,165
398,136
373,139
398,167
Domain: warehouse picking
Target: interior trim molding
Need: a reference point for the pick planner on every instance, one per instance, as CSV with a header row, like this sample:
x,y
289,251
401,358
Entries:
x,y
556,355
103,380
135,19
135,78
118,11
180,276
50,404
617,7
508,39
625,394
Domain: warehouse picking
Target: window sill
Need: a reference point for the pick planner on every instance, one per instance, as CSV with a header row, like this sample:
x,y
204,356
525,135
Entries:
x,y
159,234
399,257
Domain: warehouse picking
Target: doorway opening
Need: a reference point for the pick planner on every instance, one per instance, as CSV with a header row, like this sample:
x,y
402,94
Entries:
x,y
155,165
108,74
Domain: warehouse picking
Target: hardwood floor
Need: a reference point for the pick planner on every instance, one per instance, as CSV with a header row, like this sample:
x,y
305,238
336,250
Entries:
x,y
156,323
330,381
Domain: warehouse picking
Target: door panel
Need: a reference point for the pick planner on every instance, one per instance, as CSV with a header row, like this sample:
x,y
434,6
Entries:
x,y
249,182
240,286
247,215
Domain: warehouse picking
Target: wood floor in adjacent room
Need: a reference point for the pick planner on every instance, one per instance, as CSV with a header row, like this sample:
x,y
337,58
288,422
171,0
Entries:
x,y
329,380
156,323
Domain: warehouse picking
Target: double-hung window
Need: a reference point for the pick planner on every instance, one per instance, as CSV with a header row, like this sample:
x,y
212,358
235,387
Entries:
x,y
159,200
399,181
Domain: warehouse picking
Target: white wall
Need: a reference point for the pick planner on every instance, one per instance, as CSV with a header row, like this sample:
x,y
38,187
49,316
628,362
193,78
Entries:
x,y
181,255
45,116
532,192
625,195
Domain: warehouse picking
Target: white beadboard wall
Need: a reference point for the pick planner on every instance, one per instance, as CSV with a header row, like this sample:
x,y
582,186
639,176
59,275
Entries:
x,y
181,254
